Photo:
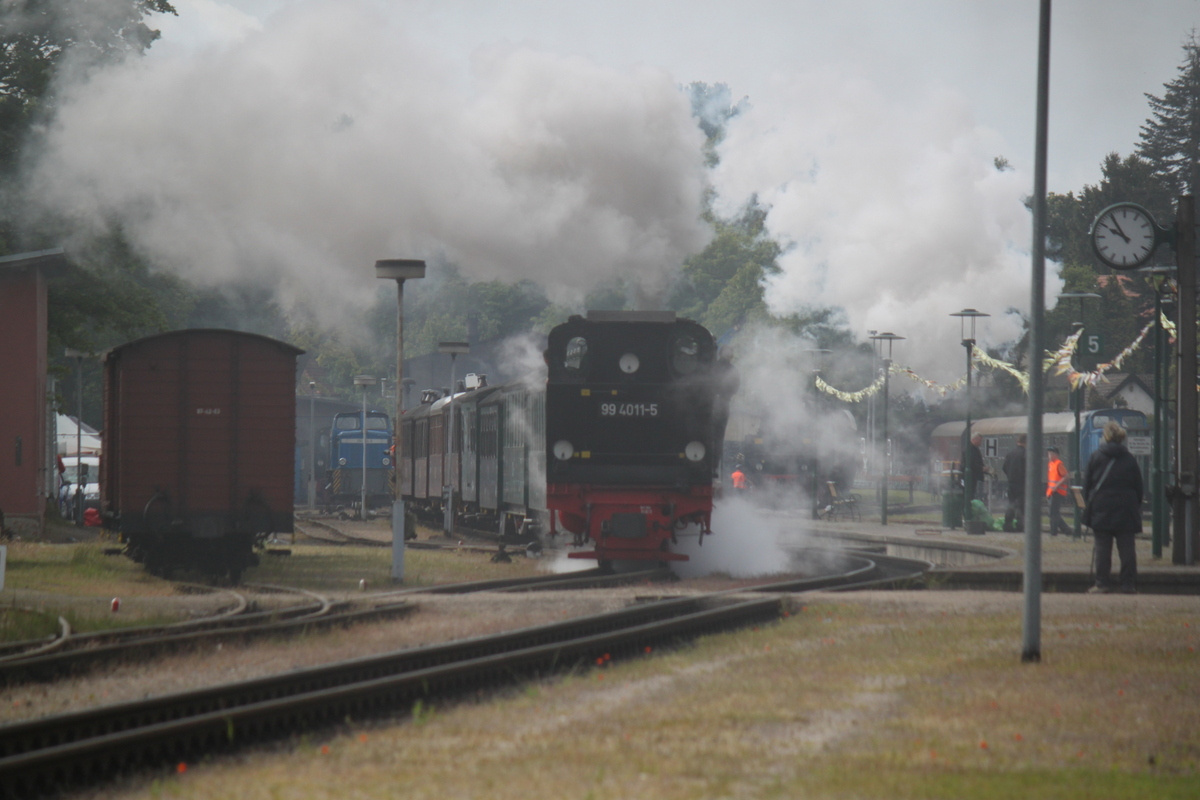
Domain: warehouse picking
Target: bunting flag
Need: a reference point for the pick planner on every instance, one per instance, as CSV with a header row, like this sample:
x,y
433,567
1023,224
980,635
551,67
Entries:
x,y
850,397
1059,361
941,389
980,357
1077,379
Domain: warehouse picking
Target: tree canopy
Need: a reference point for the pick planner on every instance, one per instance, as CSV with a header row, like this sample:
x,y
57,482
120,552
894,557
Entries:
x,y
1170,139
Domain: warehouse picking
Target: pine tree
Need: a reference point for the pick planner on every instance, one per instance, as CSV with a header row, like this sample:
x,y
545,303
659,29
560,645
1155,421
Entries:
x,y
1171,137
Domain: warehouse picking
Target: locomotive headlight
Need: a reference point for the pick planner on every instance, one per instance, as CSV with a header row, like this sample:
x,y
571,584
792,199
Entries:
x,y
694,451
563,450
629,363
387,462
341,462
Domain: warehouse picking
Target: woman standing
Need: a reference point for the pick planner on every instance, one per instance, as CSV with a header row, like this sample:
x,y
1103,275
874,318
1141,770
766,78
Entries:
x,y
1113,488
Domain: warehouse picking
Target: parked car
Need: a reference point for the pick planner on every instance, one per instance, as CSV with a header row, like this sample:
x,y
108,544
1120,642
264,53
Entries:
x,y
68,480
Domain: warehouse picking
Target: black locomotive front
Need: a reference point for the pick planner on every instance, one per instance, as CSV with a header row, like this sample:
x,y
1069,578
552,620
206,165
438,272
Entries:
x,y
629,428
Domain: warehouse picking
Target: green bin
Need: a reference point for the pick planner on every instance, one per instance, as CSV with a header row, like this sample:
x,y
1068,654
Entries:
x,y
952,509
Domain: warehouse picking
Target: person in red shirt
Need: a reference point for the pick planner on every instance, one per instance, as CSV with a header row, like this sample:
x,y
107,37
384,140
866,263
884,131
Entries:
x,y
1056,490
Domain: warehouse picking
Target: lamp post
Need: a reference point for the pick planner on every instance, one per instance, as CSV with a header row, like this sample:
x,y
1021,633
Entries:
x,y
78,355
969,346
363,381
1076,403
871,401
887,466
312,446
818,361
455,349
399,270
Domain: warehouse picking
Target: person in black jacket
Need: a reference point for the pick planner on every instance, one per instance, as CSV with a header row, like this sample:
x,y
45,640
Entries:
x,y
1113,488
1014,472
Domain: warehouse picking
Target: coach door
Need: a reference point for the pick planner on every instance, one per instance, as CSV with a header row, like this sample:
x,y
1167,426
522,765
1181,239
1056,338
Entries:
x,y
489,462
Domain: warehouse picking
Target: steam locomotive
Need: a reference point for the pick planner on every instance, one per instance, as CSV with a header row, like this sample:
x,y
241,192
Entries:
x,y
616,445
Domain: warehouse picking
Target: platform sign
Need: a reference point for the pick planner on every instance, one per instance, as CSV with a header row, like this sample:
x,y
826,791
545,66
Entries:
x,y
1138,444
991,446
1091,349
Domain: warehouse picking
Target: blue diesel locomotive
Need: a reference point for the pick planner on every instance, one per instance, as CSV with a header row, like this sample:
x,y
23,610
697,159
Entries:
x,y
346,456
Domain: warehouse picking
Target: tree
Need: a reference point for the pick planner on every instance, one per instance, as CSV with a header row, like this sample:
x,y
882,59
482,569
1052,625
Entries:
x,y
713,106
36,36
722,285
1170,139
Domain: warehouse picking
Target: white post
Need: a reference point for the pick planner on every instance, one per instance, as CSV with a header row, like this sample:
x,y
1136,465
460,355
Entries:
x,y
362,509
454,349
312,446
399,270
364,381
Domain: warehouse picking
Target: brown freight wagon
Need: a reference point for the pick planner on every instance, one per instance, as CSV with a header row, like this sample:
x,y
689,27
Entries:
x,y
198,462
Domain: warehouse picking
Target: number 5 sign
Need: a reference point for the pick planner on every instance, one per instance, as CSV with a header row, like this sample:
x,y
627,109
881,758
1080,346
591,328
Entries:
x,y
1091,349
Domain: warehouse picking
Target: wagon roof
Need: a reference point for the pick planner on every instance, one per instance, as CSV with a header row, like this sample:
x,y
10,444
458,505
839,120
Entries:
x,y
1054,422
197,331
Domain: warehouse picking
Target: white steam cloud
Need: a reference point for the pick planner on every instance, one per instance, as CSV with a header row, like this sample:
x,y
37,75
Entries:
x,y
895,213
746,542
303,151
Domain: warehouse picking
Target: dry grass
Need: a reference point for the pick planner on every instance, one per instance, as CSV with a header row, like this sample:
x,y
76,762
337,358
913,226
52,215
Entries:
x,y
879,695
333,568
78,581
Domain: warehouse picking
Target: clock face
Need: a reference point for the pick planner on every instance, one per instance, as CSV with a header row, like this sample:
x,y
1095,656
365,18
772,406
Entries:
x,y
1124,236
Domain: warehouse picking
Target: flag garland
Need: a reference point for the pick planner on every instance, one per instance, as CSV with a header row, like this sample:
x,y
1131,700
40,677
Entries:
x,y
1059,361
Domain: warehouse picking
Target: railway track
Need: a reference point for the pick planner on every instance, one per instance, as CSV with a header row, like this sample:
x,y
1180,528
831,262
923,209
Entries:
x,y
74,653
328,533
43,755
16,651
325,533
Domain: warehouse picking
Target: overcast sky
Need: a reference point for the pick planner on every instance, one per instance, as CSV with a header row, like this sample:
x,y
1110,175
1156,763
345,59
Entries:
x,y
293,142
1106,54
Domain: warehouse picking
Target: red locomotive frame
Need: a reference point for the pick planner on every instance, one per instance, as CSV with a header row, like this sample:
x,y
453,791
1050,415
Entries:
x,y
587,512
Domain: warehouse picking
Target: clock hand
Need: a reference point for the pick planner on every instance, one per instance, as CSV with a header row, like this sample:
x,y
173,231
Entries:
x,y
1115,228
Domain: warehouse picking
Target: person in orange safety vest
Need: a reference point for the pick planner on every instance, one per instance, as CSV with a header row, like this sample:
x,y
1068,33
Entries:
x,y
740,483
1056,490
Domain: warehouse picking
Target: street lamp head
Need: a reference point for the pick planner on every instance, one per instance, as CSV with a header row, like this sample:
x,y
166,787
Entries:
x,y
963,316
889,337
399,269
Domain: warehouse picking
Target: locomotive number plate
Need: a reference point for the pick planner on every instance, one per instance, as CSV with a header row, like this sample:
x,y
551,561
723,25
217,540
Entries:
x,y
629,409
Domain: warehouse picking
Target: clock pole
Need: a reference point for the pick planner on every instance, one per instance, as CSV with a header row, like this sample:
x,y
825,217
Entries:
x,y
1183,549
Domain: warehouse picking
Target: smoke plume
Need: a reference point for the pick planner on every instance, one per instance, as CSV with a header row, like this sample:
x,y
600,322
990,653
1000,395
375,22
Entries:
x,y
897,214
301,152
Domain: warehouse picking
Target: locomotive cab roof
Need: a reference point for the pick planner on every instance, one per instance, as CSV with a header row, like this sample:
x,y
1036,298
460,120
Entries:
x,y
629,347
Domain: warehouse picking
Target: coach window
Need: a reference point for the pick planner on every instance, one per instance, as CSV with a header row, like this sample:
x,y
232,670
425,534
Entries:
x,y
576,352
